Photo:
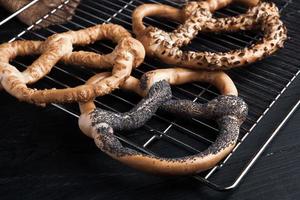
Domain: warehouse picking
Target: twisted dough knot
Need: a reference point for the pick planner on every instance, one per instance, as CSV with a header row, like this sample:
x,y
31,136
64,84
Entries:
x,y
197,17
227,109
136,50
127,54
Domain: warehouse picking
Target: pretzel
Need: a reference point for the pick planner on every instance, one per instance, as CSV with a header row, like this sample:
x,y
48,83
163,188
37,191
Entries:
x,y
127,54
197,17
227,109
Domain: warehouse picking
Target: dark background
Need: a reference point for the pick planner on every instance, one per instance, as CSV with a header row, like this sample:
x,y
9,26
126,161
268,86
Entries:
x,y
43,155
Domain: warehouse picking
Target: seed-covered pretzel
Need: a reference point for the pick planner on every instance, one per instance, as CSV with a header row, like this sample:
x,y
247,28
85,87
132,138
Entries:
x,y
227,109
197,17
127,54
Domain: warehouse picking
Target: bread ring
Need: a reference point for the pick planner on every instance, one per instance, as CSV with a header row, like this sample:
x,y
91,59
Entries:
x,y
228,110
197,17
127,54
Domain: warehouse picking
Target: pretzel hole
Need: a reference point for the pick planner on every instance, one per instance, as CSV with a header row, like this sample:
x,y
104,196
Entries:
x,y
161,23
231,11
21,62
62,76
223,42
25,60
101,46
202,93
168,146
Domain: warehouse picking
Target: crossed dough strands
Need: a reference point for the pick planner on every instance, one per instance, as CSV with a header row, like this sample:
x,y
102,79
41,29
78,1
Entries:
x,y
197,17
227,109
128,54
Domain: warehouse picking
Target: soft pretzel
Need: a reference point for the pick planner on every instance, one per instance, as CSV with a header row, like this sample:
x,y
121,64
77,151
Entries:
x,y
227,109
128,53
197,17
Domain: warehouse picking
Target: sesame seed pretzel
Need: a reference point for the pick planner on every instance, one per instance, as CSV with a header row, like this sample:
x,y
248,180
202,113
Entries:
x,y
227,109
129,53
197,17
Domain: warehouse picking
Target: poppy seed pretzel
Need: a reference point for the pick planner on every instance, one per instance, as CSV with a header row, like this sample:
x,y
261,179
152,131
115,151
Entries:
x,y
197,17
128,54
227,109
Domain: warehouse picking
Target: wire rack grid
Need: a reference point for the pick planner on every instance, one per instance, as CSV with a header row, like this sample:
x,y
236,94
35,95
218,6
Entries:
x,y
261,84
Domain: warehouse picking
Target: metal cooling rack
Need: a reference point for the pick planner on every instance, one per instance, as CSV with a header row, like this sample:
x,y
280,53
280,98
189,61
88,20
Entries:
x,y
261,84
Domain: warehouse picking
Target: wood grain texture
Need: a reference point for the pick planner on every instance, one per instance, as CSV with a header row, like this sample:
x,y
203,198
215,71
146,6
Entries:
x,y
44,156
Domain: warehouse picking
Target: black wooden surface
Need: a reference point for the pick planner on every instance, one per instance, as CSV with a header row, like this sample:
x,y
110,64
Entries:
x,y
43,155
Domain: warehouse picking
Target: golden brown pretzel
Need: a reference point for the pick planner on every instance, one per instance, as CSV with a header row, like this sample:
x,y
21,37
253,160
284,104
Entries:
x,y
128,53
228,110
196,17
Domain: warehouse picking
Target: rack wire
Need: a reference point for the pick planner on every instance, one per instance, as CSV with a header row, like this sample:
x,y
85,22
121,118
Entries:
x,y
261,84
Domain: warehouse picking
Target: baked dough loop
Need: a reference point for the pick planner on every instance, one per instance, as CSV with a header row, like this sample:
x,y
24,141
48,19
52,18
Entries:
x,y
197,17
129,53
228,110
